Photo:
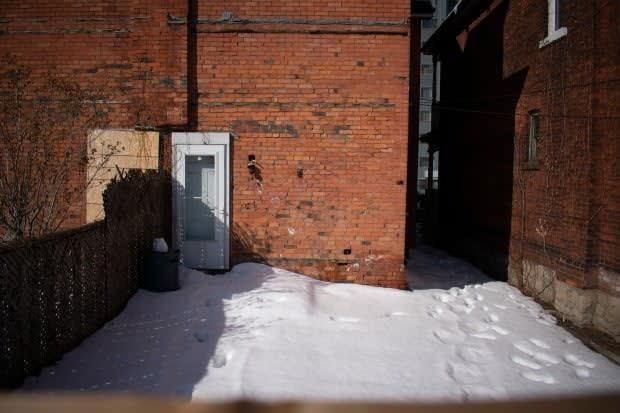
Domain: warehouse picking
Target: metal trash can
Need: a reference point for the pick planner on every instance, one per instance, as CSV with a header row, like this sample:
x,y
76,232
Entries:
x,y
161,271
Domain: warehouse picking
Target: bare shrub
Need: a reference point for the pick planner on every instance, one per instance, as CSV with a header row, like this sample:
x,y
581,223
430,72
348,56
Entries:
x,y
46,119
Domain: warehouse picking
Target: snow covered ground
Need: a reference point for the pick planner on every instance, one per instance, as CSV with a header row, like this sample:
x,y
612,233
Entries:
x,y
269,334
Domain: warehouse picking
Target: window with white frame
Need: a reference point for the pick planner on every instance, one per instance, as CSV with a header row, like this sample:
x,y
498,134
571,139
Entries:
x,y
426,92
555,22
425,116
427,69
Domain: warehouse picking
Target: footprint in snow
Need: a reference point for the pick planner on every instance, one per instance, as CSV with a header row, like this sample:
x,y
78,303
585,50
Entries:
x,y
473,326
479,354
438,313
221,359
459,309
575,361
500,330
201,336
469,301
539,343
541,316
568,340
538,377
463,373
522,361
546,321
345,319
582,373
477,329
539,356
444,298
448,336
491,318
546,358
395,314
500,306
484,336
435,312
524,348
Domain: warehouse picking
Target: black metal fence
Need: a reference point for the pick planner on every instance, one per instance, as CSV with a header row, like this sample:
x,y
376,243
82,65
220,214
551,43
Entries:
x,y
57,290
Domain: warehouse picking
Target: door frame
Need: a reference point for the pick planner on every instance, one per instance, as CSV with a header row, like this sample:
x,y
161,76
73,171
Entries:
x,y
194,143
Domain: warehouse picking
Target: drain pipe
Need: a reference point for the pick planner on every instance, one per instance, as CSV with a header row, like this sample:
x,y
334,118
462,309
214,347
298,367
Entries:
x,y
192,65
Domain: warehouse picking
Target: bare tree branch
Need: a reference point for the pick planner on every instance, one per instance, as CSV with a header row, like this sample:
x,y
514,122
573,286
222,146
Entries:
x,y
45,123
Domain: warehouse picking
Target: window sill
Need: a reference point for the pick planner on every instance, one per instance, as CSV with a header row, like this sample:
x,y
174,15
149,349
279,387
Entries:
x,y
532,165
556,35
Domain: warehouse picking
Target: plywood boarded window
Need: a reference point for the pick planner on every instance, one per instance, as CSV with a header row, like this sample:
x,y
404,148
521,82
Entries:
x,y
116,149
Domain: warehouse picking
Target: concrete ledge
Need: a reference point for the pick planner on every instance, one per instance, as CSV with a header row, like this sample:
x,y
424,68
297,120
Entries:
x,y
607,314
539,281
595,308
576,304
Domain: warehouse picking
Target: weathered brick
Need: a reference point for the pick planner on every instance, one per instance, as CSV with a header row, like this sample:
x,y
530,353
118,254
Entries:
x,y
560,212
327,99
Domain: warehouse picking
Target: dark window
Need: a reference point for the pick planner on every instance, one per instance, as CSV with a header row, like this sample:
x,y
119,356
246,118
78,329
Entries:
x,y
559,14
532,146
429,24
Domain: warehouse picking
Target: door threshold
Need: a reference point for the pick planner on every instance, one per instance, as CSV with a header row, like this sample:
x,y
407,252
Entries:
x,y
211,271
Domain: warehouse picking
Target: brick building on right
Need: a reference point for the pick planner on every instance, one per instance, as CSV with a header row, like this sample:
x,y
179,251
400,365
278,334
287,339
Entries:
x,y
528,128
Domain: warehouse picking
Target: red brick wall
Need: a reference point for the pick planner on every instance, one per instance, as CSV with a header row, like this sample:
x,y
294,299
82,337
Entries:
x,y
115,47
319,86
604,213
571,219
309,9
330,104
562,212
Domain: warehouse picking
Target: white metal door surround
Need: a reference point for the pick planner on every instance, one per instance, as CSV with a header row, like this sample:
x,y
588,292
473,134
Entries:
x,y
201,198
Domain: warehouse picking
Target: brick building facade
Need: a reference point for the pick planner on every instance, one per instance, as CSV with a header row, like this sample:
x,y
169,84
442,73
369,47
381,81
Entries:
x,y
315,91
529,148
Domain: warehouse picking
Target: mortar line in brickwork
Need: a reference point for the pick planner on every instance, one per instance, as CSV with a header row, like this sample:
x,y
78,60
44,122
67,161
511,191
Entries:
x,y
81,19
64,31
323,32
300,105
284,21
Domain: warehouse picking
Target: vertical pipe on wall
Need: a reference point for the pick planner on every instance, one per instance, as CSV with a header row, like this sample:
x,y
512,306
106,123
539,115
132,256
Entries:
x,y
192,65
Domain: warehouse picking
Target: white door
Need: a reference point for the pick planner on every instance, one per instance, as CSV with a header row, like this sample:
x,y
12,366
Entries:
x,y
201,204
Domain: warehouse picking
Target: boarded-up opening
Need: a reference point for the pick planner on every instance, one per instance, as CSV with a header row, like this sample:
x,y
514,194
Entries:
x,y
112,150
